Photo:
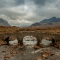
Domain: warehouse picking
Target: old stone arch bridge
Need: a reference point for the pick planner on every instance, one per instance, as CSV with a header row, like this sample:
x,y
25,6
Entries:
x,y
21,35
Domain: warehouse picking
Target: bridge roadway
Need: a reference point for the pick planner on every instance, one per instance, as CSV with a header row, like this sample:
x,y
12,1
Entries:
x,y
21,35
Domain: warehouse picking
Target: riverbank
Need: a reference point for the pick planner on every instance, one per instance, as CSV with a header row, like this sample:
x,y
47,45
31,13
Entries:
x,y
49,53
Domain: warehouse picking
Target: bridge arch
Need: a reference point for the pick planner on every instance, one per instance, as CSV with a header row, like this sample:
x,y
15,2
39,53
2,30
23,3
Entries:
x,y
30,40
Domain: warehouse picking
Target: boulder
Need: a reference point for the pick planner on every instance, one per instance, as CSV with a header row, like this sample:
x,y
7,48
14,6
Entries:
x,y
36,47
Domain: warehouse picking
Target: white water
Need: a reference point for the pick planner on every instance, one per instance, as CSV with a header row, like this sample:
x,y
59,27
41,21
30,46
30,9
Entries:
x,y
30,41
13,42
46,42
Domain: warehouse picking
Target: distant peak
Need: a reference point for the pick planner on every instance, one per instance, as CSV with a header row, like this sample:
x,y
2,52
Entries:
x,y
53,18
4,22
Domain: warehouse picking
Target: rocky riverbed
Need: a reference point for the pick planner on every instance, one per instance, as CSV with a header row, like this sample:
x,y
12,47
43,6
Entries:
x,y
28,53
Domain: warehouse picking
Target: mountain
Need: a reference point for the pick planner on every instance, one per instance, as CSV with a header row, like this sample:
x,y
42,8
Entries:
x,y
48,22
3,22
36,24
51,20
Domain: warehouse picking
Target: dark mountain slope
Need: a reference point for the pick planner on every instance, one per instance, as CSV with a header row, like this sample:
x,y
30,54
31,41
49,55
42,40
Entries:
x,y
48,22
51,20
3,22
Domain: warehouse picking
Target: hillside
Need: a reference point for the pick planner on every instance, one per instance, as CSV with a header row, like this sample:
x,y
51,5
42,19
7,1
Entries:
x,y
3,22
51,20
48,22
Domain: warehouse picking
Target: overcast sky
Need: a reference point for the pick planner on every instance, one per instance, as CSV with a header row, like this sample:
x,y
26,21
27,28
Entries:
x,y
26,12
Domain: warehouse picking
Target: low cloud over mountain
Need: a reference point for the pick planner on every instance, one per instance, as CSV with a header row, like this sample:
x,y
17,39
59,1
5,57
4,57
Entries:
x,y
3,22
48,22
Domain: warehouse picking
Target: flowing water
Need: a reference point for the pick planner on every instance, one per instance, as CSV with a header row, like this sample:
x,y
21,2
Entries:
x,y
13,42
30,53
29,40
46,42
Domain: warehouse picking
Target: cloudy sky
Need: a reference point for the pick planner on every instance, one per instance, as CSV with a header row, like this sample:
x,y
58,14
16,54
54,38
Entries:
x,y
26,12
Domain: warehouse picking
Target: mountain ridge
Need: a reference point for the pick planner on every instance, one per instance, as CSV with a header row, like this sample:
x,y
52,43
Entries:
x,y
4,22
51,20
48,22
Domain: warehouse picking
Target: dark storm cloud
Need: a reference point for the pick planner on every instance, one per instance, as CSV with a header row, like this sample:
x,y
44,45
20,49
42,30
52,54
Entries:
x,y
19,2
39,2
2,3
43,2
10,3
58,5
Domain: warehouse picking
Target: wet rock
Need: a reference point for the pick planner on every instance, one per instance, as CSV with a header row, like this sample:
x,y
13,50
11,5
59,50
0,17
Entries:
x,y
21,47
46,54
57,45
40,45
2,43
40,58
36,47
12,55
5,57
4,51
16,52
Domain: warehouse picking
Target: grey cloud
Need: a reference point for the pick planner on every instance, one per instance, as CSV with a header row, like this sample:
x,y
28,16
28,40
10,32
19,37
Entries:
x,y
10,3
19,2
34,10
33,18
58,5
43,2
2,3
39,2
12,15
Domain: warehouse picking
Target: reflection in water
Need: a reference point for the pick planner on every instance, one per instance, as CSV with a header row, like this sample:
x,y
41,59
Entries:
x,y
13,42
29,41
46,42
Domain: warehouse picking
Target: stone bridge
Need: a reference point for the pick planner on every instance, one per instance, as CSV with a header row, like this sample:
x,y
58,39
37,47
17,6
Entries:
x,y
38,36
